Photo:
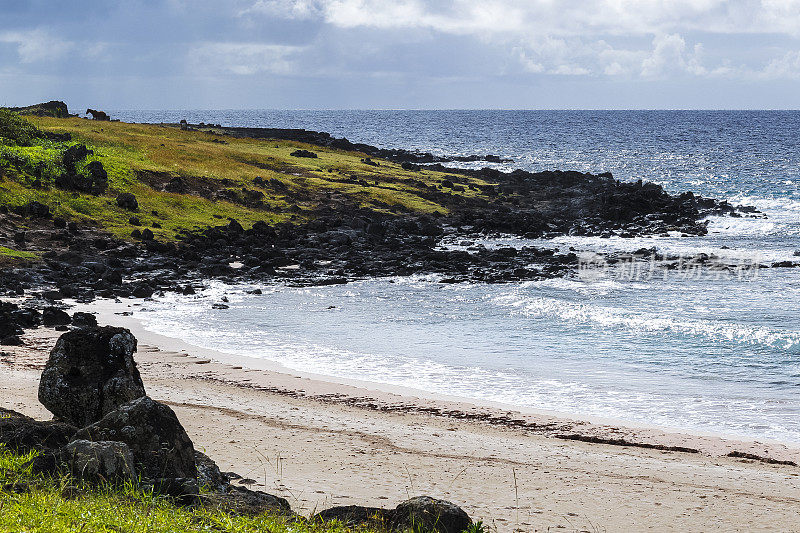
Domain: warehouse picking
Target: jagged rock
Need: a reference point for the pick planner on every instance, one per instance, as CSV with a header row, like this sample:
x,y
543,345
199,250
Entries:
x,y
243,501
97,460
235,227
428,514
304,153
53,316
9,323
98,177
356,515
27,318
75,154
208,473
161,448
185,490
127,201
53,108
84,320
37,210
175,185
11,340
96,180
90,373
22,433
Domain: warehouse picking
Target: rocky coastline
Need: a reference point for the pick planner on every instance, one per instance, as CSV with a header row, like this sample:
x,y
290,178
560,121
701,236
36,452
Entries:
x,y
107,427
341,241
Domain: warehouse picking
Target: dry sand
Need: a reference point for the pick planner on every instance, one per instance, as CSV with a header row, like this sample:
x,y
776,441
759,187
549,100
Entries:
x,y
319,443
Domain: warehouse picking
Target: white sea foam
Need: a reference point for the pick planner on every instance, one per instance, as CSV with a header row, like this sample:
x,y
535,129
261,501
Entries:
x,y
537,321
649,322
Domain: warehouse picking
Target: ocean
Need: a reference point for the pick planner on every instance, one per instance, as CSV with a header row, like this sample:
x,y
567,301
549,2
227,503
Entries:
x,y
687,349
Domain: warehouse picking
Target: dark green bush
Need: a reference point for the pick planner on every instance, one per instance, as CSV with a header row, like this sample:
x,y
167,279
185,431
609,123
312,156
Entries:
x,y
16,130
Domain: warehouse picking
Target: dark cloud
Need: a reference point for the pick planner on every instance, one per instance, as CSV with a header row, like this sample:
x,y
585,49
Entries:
x,y
403,53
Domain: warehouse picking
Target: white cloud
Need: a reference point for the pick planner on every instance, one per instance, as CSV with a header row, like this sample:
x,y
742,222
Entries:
x,y
786,66
37,45
570,36
244,58
291,9
667,56
562,17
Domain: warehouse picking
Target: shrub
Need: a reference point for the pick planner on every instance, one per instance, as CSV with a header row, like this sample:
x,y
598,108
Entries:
x,y
16,130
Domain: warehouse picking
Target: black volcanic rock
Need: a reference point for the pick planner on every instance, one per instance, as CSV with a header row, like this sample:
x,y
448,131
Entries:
x,y
127,201
98,461
53,316
90,373
429,514
22,433
54,108
160,446
304,153
355,515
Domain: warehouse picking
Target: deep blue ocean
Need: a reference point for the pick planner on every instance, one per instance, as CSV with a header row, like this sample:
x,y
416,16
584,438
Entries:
x,y
710,353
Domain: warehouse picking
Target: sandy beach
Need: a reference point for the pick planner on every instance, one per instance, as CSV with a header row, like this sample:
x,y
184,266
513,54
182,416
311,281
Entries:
x,y
320,443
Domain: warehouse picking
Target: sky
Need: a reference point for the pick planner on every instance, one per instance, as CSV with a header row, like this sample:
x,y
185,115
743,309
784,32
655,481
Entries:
x,y
402,54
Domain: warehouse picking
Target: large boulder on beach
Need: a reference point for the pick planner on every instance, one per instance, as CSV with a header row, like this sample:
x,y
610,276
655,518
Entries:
x,y
90,373
161,448
424,513
53,316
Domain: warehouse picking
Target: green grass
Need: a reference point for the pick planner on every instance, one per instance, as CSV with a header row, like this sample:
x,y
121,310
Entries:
x,y
33,503
29,164
17,254
16,130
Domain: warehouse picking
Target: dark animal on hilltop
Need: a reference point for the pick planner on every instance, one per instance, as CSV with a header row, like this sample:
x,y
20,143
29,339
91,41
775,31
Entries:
x,y
97,115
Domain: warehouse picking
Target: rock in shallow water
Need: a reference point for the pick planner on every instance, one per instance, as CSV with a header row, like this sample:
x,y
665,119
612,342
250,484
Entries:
x,y
90,373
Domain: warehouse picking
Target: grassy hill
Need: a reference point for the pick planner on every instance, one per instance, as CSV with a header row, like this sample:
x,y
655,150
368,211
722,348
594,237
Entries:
x,y
212,177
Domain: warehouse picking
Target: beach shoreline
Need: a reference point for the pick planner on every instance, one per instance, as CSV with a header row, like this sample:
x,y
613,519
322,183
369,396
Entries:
x,y
320,443
126,313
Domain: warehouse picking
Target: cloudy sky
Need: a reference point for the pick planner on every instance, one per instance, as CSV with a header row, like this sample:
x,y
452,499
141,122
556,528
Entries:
x,y
211,54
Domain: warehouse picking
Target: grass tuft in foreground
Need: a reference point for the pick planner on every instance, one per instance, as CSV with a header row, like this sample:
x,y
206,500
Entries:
x,y
33,503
